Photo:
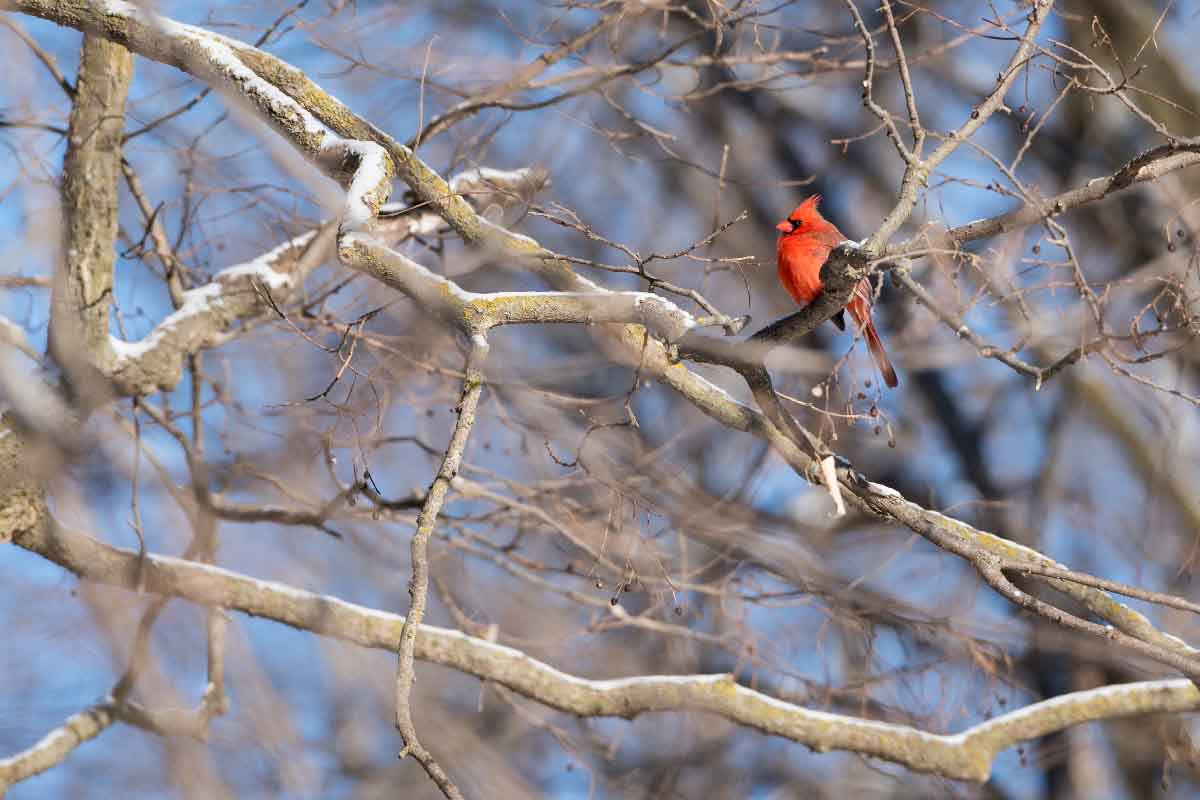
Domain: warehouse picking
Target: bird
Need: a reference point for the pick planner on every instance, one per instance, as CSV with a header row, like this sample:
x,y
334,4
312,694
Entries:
x,y
805,241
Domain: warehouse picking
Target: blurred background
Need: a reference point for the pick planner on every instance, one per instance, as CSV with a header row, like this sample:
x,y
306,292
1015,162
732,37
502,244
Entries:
x,y
606,526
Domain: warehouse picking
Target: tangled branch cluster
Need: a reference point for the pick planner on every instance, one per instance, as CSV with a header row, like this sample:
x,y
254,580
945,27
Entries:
x,y
630,522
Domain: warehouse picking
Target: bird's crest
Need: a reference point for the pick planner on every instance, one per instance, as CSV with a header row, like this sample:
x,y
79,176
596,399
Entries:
x,y
807,210
805,215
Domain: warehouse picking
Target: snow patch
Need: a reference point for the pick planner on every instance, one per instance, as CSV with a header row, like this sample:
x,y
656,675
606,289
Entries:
x,y
371,176
262,266
507,178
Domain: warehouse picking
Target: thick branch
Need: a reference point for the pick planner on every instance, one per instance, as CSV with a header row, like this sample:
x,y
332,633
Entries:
x,y
91,179
55,746
473,313
246,76
964,756
209,312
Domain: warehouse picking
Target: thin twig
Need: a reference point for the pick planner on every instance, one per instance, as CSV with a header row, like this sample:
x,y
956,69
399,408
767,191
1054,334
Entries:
x,y
418,587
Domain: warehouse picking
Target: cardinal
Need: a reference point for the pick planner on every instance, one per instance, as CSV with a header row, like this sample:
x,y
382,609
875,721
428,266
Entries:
x,y
804,244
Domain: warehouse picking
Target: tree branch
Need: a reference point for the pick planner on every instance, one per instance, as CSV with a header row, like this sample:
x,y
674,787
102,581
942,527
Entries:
x,y
418,587
964,756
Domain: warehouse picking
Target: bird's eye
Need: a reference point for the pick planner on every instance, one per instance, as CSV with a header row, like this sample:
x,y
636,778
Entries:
x,y
796,223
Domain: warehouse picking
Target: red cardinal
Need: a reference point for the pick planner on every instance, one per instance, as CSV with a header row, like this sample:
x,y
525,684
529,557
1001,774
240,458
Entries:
x,y
804,244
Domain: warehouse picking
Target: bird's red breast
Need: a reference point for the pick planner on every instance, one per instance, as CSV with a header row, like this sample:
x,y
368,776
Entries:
x,y
804,244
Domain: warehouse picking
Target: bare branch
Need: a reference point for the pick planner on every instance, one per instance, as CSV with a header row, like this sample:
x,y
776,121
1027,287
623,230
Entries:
x,y
418,587
965,756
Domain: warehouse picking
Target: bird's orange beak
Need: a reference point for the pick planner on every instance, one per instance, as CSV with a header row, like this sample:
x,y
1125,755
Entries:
x,y
784,227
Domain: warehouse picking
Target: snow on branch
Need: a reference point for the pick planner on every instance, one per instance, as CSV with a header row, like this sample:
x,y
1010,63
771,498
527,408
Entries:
x,y
362,167
209,312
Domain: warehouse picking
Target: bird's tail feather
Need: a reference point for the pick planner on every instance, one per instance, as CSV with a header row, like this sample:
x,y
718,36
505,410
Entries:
x,y
880,355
